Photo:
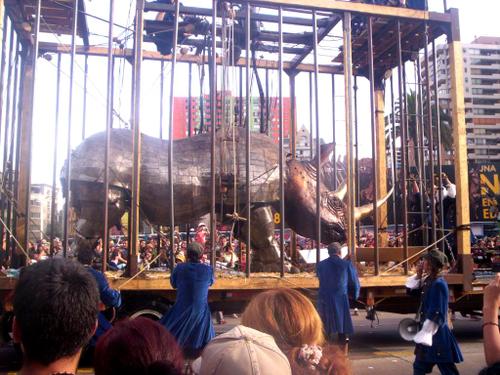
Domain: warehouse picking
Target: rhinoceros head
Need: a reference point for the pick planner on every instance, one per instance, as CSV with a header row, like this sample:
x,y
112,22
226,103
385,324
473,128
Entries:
x,y
300,201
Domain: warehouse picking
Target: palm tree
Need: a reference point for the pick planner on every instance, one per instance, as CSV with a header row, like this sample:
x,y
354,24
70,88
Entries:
x,y
444,119
445,123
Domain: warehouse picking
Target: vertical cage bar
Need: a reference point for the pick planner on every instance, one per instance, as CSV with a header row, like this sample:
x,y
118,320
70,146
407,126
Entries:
x,y
16,163
171,137
293,149
240,102
85,80
373,119
136,140
430,133
113,96
10,163
350,173
25,178
318,153
2,76
267,102
281,161
3,67
439,142
402,122
162,96
14,127
5,167
201,72
248,196
13,144
190,98
311,116
54,165
67,186
394,160
107,144
334,138
406,123
357,198
213,115
422,184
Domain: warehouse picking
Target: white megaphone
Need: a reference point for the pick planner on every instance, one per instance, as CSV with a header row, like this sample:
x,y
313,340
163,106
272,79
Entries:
x,y
408,328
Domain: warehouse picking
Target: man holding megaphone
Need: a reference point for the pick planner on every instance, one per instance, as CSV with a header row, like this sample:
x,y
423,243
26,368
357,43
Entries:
x,y
436,345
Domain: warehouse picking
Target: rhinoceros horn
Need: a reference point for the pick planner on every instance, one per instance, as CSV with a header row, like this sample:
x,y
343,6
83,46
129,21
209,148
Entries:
x,y
367,209
340,192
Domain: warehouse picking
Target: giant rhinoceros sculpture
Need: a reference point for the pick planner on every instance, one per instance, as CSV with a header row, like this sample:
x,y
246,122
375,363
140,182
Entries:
x,y
191,173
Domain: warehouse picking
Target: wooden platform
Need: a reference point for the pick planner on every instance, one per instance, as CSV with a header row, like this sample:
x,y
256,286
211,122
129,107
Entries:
x,y
267,281
160,281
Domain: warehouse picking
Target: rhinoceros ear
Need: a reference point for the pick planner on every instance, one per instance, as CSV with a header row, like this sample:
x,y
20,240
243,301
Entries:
x,y
324,153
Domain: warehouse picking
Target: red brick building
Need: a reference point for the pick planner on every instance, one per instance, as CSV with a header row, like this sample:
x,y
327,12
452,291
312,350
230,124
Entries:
x,y
182,109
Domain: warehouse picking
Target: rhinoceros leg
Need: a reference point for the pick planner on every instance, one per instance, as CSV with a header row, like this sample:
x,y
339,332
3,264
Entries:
x,y
87,202
266,250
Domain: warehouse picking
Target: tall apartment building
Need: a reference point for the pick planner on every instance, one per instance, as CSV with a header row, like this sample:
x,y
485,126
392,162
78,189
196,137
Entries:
x,y
482,94
183,109
40,200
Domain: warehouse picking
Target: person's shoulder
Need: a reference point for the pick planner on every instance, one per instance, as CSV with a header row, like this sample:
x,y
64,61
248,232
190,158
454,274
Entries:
x,y
205,267
440,283
344,262
199,267
96,273
323,262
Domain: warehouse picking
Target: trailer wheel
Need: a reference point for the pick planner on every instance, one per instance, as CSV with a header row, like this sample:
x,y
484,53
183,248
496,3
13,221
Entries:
x,y
153,311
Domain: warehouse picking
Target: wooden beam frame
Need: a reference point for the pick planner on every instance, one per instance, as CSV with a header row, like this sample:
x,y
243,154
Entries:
x,y
152,55
460,143
53,14
381,164
366,9
322,33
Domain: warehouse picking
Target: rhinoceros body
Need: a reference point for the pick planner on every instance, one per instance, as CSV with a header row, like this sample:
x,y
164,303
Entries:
x,y
191,183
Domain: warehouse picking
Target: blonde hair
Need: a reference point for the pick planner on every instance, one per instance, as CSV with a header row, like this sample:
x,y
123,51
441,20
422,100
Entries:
x,y
287,315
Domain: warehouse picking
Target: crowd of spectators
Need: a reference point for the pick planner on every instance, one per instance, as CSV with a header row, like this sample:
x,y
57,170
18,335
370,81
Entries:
x,y
486,253
56,308
154,251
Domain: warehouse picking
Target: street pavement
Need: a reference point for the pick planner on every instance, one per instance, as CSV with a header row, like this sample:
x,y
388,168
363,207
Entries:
x,y
380,350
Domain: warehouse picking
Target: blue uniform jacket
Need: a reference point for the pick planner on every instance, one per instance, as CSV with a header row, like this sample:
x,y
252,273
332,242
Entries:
x,y
338,281
109,297
189,320
444,347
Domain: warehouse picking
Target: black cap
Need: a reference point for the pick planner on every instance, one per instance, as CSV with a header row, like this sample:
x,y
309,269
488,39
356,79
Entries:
x,y
437,257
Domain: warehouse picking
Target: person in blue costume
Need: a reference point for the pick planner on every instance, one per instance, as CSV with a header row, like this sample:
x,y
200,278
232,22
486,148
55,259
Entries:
x,y
436,345
110,298
189,320
338,281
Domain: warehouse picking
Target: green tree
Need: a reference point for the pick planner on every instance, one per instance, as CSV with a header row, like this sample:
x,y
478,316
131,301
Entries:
x,y
445,121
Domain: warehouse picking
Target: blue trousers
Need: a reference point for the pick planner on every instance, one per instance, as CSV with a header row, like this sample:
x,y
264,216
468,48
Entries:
x,y
422,368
